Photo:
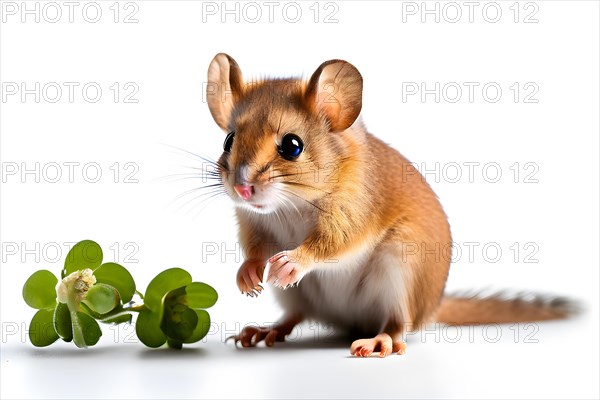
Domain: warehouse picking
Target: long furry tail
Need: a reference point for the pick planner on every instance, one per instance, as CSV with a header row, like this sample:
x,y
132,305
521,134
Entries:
x,y
477,308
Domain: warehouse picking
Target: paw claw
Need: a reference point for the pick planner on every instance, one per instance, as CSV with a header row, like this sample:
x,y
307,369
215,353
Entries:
x,y
284,271
250,275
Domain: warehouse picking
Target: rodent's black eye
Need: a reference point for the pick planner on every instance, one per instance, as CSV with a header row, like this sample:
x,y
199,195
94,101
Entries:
x,y
228,142
291,146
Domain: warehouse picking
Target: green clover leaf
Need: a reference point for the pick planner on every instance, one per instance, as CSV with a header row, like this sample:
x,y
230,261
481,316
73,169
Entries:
x,y
200,295
118,277
85,254
178,322
102,298
86,331
147,328
62,322
89,291
164,282
39,290
174,311
41,330
202,327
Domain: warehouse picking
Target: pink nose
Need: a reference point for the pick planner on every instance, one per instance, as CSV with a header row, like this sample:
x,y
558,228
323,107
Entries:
x,y
244,191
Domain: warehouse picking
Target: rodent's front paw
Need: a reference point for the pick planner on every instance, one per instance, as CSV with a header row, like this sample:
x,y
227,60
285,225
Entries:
x,y
250,276
286,269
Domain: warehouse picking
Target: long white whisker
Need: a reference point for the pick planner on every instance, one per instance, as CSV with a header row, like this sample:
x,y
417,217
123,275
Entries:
x,y
290,201
206,176
277,215
303,199
209,191
208,194
204,201
193,155
188,175
286,201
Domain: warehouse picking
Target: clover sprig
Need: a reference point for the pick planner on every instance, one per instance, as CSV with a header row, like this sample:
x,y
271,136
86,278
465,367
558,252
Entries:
x,y
172,310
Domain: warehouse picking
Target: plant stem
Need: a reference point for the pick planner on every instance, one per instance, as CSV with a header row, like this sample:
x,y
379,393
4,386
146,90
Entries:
x,y
135,307
73,303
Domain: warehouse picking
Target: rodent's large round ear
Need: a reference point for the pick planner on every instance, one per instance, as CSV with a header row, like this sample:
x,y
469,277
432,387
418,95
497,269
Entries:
x,y
223,88
336,90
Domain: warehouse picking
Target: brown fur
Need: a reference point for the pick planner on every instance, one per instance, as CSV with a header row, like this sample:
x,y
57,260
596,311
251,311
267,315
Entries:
x,y
355,191
496,309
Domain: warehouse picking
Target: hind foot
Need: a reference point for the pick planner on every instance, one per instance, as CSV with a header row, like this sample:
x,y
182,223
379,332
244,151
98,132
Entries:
x,y
250,336
381,343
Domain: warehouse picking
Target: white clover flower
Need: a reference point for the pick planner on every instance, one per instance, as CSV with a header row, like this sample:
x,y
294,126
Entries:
x,y
79,282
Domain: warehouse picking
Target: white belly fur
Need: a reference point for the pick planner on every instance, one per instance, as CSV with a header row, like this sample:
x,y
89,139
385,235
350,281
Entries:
x,y
361,291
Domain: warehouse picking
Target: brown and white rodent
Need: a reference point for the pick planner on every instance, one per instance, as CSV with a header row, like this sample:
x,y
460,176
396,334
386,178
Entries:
x,y
352,233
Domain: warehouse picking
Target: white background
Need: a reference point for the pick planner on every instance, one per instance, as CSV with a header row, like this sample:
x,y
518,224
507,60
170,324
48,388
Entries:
x,y
553,212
